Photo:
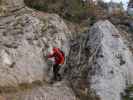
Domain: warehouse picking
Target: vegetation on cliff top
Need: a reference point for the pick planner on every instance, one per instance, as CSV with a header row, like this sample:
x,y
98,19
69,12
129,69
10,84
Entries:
x,y
73,10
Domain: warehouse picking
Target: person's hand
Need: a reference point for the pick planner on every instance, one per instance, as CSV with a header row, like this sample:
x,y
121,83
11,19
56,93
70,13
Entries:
x,y
45,56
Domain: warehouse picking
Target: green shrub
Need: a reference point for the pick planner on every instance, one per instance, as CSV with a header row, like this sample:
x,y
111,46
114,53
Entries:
x,y
92,20
128,92
73,10
38,5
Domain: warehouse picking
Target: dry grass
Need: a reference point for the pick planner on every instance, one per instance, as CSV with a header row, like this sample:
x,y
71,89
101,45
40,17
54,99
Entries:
x,y
21,87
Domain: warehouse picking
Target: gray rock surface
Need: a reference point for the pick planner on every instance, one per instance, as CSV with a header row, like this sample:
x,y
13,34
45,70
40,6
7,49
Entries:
x,y
9,6
100,64
131,25
130,8
25,36
24,40
112,67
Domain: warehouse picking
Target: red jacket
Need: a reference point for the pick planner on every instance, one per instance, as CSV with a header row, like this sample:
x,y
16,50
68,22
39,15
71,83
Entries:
x,y
58,56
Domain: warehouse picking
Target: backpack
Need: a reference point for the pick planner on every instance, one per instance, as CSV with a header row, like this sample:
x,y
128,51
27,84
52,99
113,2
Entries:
x,y
63,56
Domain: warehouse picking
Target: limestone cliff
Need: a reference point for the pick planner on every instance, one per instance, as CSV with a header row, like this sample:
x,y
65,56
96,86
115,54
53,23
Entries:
x,y
100,64
25,36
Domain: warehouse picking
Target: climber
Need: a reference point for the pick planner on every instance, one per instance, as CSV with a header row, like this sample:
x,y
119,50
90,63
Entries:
x,y
59,58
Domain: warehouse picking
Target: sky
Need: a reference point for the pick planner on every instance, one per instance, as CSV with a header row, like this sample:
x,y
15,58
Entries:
x,y
125,2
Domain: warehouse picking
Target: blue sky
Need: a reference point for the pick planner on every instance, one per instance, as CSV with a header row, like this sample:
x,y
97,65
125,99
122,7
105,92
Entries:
x,y
125,2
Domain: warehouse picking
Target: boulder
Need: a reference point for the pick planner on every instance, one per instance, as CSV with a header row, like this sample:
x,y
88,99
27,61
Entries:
x,y
25,37
110,61
100,64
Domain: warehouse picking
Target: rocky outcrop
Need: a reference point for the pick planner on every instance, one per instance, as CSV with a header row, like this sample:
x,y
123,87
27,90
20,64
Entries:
x,y
100,66
112,67
25,36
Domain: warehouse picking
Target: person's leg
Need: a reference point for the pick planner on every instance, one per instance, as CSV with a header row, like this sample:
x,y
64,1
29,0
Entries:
x,y
58,74
56,69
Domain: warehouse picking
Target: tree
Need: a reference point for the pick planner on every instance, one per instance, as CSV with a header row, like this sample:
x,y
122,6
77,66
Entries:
x,y
130,4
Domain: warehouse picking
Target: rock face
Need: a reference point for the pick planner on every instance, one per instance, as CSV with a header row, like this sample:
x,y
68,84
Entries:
x,y
100,65
24,40
131,25
9,6
111,69
25,36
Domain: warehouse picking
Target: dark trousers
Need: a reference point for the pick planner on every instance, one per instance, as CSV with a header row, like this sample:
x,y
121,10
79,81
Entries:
x,y
56,68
